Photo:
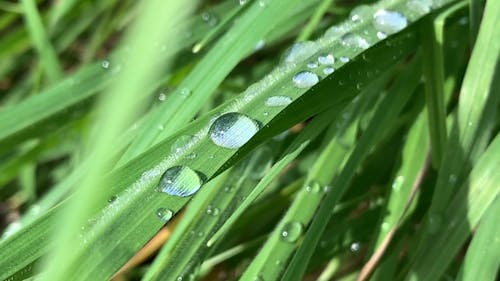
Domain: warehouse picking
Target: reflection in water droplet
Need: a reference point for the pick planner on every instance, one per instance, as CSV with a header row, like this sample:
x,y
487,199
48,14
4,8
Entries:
x,y
233,130
180,181
291,231
164,214
389,22
305,79
278,101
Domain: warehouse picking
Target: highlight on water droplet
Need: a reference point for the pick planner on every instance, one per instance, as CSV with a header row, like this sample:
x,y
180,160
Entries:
x,y
212,211
305,79
180,181
291,231
105,64
232,130
381,35
278,101
389,22
164,214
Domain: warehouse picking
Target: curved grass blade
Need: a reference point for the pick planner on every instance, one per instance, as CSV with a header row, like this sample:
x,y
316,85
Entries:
x,y
136,207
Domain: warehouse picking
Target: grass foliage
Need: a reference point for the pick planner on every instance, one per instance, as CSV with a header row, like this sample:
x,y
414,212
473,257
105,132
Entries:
x,y
249,140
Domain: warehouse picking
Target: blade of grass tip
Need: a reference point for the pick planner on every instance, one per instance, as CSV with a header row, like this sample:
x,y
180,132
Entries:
x,y
482,259
299,144
386,112
314,21
48,56
466,208
221,59
115,110
433,71
472,125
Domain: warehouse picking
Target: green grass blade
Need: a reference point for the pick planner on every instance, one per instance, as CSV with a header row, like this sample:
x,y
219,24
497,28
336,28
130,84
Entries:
x,y
469,204
113,117
314,21
387,110
482,260
48,56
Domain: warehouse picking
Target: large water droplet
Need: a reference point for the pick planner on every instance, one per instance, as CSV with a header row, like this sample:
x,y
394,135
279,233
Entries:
x,y
354,41
291,231
233,130
164,214
305,79
299,51
389,22
278,101
180,181
327,59
335,31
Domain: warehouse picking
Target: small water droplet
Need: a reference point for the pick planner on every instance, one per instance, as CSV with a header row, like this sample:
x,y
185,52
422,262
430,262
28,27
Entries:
x,y
344,59
381,35
328,70
112,199
312,65
164,214
243,2
355,247
305,79
278,101
389,22
185,92
386,226
313,187
181,143
354,41
398,182
452,179
262,3
327,59
326,188
162,96
299,51
260,44
161,127
360,13
180,278
233,130
105,64
435,222
291,231
228,189
209,18
212,211
180,181
191,155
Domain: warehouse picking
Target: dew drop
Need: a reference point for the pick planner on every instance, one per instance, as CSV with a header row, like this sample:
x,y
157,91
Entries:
x,y
243,2
180,143
344,59
305,79
112,199
299,51
435,222
164,214
105,64
260,44
381,35
452,179
185,92
328,70
334,32
278,101
360,13
233,130
180,181
212,211
327,59
313,187
291,231
354,41
312,65
398,182
355,247
389,22
209,18
162,96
